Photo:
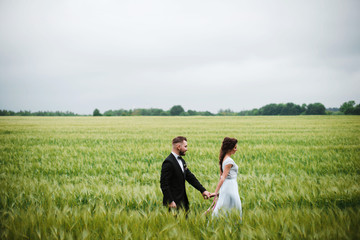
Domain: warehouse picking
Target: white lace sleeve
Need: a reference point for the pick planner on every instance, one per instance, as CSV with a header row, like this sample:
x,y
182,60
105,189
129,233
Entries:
x,y
227,162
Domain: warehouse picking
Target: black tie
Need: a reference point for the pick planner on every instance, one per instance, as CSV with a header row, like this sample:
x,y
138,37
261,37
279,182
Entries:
x,y
183,162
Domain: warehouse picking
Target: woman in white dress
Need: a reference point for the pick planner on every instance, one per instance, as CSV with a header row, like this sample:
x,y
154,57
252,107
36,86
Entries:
x,y
227,187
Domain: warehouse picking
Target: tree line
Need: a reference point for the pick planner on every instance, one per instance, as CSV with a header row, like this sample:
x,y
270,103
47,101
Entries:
x,y
347,108
273,109
39,113
176,110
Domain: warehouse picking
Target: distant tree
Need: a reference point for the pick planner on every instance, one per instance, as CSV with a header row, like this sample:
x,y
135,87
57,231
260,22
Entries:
x,y
315,109
176,110
348,107
184,114
6,113
357,110
226,112
165,113
121,112
136,112
290,109
271,109
23,113
156,111
242,113
334,109
303,109
206,113
108,113
192,113
253,112
96,112
57,113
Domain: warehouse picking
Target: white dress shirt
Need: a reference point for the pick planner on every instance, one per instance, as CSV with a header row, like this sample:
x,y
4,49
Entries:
x,y
179,161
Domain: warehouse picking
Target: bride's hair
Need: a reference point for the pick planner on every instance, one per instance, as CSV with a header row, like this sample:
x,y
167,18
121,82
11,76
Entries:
x,y
227,145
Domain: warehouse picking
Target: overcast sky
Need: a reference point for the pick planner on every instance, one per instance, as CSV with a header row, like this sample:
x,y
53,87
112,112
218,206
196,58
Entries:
x,y
204,55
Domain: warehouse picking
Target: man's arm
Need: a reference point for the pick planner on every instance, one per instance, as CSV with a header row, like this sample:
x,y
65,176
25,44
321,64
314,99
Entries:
x,y
166,172
190,178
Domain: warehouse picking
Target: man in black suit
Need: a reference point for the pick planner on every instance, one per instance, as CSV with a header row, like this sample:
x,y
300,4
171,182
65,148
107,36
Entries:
x,y
173,175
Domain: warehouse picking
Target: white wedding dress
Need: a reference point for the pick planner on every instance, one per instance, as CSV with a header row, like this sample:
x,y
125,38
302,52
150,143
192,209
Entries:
x,y
229,198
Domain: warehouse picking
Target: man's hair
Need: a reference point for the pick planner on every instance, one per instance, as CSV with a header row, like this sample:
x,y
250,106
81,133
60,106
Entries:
x,y
178,139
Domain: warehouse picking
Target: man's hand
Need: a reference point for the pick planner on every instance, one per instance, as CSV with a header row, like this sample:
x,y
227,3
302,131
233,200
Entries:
x,y
206,195
172,205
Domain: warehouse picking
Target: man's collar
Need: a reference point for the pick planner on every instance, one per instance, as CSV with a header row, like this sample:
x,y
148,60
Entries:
x,y
175,155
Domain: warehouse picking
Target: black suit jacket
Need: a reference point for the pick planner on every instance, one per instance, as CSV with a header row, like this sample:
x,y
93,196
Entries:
x,y
172,182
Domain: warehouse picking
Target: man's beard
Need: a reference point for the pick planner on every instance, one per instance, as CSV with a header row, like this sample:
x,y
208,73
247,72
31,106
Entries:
x,y
181,153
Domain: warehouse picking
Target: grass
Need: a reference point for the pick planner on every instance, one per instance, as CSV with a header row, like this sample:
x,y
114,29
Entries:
x,y
98,178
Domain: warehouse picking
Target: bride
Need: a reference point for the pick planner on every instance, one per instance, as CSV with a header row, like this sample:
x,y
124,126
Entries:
x,y
227,188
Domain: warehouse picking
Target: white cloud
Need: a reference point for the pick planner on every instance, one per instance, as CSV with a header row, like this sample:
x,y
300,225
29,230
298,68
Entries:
x,y
77,55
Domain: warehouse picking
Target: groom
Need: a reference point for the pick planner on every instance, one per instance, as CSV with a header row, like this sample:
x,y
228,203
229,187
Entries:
x,y
173,175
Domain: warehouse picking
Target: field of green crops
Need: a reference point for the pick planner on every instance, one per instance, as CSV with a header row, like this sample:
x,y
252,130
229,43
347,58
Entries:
x,y
98,178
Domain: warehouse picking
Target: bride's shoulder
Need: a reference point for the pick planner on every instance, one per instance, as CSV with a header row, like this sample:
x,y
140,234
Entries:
x,y
228,160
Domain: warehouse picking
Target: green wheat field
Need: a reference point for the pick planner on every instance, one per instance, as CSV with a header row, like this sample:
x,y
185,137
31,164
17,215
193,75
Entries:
x,y
98,178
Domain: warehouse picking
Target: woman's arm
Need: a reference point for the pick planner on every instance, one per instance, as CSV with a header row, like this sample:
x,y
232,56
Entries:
x,y
222,179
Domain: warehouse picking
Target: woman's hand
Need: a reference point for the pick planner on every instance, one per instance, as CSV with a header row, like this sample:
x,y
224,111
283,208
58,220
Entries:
x,y
213,194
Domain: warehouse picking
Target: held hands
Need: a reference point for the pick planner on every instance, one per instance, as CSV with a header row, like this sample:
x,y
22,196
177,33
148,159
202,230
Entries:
x,y
206,195
214,194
